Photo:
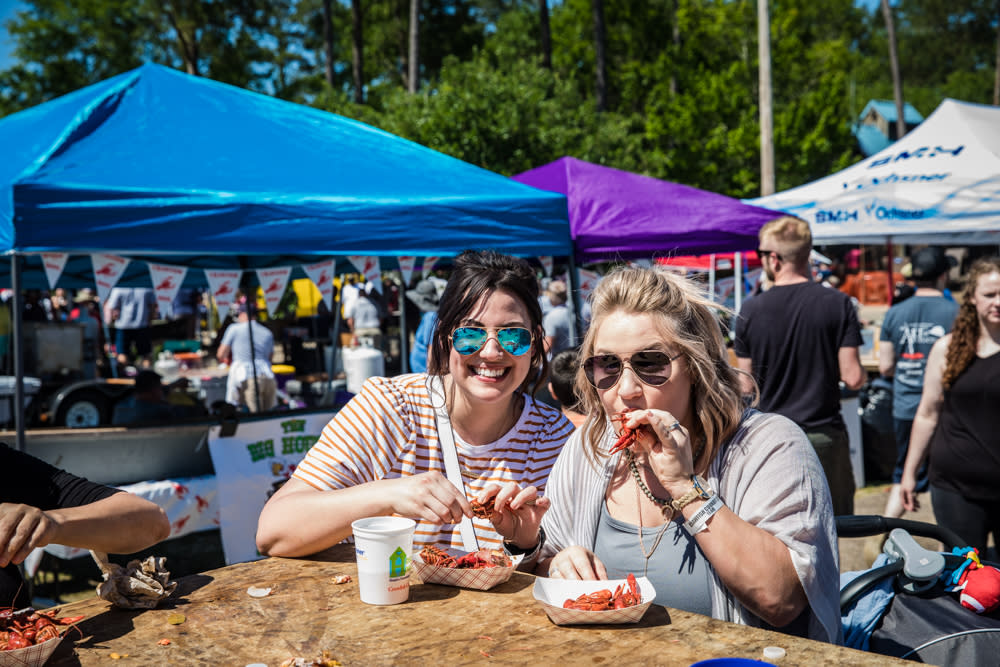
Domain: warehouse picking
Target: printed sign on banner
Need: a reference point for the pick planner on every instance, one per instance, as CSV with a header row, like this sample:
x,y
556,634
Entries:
x,y
546,261
167,281
406,268
369,267
588,281
427,265
273,282
107,270
250,467
321,274
223,285
54,263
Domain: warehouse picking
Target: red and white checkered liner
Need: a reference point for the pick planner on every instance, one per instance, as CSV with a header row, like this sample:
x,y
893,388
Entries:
x,y
481,580
32,656
552,593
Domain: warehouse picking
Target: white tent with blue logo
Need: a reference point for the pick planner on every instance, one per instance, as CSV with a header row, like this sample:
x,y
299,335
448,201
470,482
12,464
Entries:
x,y
938,184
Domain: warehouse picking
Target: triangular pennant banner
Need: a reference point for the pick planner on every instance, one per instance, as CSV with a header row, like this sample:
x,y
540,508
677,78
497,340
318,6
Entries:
x,y
273,282
167,281
546,261
406,268
107,270
223,285
321,274
369,267
587,280
427,265
54,263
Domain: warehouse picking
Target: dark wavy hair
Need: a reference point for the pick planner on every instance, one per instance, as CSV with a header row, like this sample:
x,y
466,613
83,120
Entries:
x,y
965,332
480,272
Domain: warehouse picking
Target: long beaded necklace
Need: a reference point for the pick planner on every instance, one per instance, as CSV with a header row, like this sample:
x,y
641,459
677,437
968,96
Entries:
x,y
665,508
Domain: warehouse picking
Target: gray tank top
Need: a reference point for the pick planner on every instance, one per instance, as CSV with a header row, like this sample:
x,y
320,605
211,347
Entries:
x,y
678,569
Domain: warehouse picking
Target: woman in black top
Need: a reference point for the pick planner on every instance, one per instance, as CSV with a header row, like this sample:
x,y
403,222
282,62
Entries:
x,y
958,418
41,504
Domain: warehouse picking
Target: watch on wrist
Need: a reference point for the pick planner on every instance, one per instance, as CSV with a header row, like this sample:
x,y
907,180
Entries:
x,y
512,549
700,491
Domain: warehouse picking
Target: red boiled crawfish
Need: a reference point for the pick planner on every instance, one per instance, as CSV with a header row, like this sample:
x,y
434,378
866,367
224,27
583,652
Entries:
x,y
27,627
625,595
628,437
476,560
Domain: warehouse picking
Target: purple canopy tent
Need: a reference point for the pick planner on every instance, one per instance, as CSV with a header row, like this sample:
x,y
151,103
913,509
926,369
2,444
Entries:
x,y
616,214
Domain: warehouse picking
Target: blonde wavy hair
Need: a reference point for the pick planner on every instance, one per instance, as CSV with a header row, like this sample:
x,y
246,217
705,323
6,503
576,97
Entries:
x,y
965,332
687,320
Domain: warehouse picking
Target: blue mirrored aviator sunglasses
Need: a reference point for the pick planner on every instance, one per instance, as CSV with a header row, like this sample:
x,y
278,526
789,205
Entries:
x,y
469,340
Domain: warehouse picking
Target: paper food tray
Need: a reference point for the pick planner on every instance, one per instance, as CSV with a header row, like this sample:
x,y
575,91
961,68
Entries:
x,y
480,580
552,593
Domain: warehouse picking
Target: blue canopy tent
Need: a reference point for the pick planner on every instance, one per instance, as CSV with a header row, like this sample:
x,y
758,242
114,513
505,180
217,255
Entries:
x,y
158,165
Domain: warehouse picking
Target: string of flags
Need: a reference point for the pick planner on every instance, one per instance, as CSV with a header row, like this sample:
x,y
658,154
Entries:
x,y
224,283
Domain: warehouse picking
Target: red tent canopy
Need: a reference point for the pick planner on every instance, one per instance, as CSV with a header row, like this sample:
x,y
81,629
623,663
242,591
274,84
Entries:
x,y
723,261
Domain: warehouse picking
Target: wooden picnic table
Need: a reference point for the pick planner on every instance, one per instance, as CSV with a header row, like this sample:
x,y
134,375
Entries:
x,y
307,613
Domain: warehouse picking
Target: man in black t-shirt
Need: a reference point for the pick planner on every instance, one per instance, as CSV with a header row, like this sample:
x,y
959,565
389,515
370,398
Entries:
x,y
799,340
41,505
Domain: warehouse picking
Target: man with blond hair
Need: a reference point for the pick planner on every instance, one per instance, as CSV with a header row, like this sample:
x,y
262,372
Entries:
x,y
799,340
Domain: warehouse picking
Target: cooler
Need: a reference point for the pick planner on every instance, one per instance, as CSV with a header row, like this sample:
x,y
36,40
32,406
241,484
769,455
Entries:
x,y
361,363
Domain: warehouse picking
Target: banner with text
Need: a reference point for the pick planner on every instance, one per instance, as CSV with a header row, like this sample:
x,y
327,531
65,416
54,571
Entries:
x,y
546,261
107,270
273,282
54,263
223,283
250,466
427,265
167,281
406,268
369,267
321,274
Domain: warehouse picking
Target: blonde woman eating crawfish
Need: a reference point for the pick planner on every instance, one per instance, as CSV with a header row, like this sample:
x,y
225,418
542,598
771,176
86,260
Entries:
x,y
725,509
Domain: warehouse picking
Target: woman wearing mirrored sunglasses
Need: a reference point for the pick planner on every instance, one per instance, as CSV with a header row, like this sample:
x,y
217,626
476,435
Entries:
x,y
724,508
384,452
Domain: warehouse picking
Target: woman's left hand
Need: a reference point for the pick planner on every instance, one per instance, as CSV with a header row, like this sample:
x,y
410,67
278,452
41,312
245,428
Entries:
x,y
668,451
517,513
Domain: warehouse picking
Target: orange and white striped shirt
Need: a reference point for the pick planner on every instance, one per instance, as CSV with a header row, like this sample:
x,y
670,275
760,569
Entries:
x,y
388,430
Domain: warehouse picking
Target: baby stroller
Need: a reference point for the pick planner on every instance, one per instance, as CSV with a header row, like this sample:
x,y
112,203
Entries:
x,y
900,606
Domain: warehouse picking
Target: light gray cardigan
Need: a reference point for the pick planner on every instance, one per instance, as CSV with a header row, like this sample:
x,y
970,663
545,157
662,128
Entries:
x,y
767,473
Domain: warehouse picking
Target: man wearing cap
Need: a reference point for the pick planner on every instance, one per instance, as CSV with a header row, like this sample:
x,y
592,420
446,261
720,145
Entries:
x,y
556,322
909,330
425,297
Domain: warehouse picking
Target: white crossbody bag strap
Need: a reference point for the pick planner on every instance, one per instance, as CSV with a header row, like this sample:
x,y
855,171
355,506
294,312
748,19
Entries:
x,y
450,454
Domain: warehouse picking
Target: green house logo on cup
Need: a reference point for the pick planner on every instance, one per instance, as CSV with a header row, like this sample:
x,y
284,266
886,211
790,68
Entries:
x,y
398,563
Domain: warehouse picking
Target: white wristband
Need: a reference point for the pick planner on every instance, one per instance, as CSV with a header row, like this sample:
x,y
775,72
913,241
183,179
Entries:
x,y
699,521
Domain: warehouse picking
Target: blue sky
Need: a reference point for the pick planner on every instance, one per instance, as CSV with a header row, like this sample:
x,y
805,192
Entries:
x,y
9,7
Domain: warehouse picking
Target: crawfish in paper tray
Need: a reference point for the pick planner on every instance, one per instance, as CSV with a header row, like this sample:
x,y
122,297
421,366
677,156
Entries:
x,y
476,560
625,595
27,627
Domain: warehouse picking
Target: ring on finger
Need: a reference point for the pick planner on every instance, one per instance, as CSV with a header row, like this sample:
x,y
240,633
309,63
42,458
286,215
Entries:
x,y
554,572
676,426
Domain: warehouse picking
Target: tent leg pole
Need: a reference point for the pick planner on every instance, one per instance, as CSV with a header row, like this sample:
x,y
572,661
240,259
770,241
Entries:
x,y
404,337
888,268
335,337
18,350
575,322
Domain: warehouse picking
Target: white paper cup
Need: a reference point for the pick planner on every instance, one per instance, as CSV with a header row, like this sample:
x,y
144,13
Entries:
x,y
383,545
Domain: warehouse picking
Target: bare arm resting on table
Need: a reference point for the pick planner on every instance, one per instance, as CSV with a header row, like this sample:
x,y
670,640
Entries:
x,y
122,523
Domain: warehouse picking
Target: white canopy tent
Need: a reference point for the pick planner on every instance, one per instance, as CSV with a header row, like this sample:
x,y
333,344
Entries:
x,y
938,184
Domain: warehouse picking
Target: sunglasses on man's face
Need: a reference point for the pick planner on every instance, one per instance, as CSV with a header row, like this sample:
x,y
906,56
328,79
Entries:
x,y
650,366
469,340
